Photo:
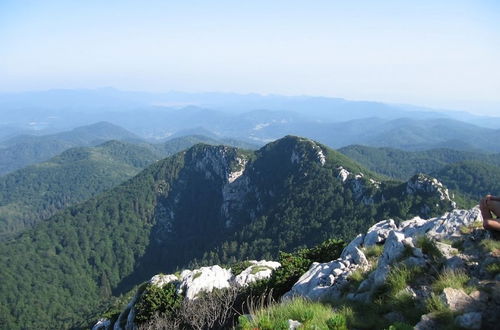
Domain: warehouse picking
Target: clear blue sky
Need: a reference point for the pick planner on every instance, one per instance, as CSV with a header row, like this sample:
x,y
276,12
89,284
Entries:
x,y
435,53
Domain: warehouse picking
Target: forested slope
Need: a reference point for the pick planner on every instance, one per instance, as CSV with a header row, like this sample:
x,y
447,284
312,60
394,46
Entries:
x,y
207,203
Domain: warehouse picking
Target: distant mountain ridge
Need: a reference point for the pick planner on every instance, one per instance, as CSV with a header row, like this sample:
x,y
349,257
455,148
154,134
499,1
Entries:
x,y
24,150
471,174
209,203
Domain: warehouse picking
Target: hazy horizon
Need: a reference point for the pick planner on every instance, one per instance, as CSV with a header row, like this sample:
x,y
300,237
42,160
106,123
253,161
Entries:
x,y
439,55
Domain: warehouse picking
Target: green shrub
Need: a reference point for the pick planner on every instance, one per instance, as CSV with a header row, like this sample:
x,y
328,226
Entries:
x,y
163,301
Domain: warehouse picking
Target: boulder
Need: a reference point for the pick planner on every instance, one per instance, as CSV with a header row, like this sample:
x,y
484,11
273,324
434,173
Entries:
x,y
393,250
378,232
427,322
446,250
204,279
457,300
355,243
292,324
321,282
257,271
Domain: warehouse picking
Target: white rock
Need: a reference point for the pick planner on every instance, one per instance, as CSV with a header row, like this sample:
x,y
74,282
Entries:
x,y
379,232
102,324
160,280
316,284
445,226
393,250
204,279
292,324
343,173
355,243
259,270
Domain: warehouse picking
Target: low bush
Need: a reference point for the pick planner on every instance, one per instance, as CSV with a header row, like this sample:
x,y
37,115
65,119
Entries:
x,y
163,301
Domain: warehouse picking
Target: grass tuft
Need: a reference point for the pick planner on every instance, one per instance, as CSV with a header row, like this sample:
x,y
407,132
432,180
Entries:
x,y
450,278
373,251
312,315
256,269
429,247
490,245
493,268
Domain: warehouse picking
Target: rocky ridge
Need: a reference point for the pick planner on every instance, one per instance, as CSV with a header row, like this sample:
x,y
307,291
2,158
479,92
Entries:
x,y
192,283
457,237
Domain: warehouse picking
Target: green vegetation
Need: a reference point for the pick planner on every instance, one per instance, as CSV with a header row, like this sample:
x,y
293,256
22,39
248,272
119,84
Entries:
x,y
374,251
450,278
470,175
169,215
399,278
312,316
493,268
239,266
429,247
256,269
402,165
162,301
24,150
490,245
36,192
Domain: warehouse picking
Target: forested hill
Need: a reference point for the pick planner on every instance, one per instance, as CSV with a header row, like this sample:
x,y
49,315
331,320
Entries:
x,y
209,203
471,174
25,150
402,165
36,192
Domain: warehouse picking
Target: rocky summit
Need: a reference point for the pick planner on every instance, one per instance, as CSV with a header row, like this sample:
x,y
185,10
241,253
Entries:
x,y
446,267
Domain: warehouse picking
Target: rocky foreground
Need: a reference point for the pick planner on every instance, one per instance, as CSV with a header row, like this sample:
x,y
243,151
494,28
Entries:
x,y
454,262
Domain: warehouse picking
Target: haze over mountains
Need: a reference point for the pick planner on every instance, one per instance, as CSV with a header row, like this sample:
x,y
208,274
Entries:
x,y
100,189
254,118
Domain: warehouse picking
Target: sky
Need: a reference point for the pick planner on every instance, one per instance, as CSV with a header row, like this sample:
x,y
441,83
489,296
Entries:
x,y
443,54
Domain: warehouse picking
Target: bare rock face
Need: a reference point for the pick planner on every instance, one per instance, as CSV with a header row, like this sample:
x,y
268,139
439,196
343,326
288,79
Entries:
x,y
259,270
204,279
160,280
378,233
325,281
